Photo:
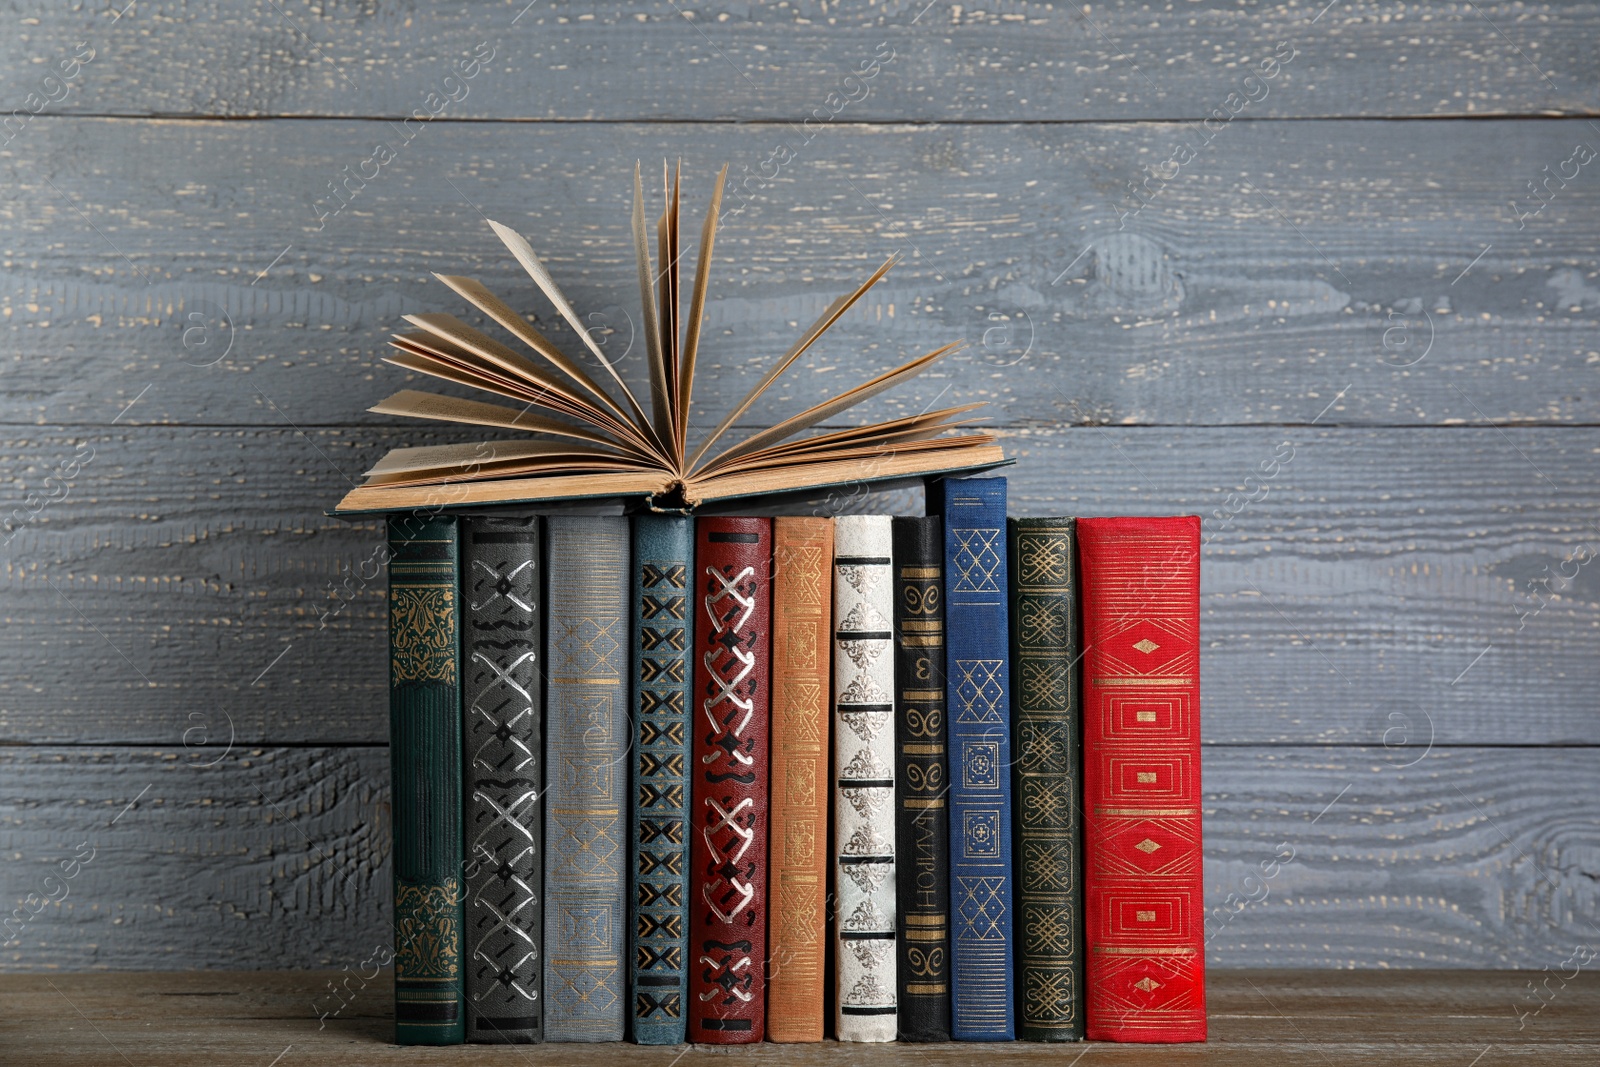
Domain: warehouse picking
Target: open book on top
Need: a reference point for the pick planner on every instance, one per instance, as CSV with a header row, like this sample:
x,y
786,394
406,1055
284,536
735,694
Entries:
x,y
590,441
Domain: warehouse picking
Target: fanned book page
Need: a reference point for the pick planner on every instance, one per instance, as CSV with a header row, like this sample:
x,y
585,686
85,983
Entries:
x,y
591,437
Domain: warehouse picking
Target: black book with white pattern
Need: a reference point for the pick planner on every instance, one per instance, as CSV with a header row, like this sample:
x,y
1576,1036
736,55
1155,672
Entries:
x,y
502,699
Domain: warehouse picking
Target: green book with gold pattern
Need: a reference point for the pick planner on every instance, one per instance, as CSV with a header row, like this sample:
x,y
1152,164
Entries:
x,y
425,779
1045,779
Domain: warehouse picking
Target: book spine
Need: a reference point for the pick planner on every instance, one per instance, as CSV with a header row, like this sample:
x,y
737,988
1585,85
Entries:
x,y
663,559
1045,778
977,688
425,779
922,821
864,757
1143,877
802,613
502,693
586,744
728,845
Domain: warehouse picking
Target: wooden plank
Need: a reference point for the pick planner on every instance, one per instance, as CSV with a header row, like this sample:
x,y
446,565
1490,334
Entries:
x,y
1252,288
189,579
1362,1016
1256,1017
1383,586
1007,61
266,855
278,858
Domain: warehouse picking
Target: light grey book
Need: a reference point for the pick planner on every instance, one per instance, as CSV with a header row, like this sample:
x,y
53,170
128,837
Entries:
x,y
586,745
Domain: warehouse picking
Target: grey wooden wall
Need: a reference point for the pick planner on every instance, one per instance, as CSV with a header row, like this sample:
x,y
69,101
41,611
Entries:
x,y
1351,316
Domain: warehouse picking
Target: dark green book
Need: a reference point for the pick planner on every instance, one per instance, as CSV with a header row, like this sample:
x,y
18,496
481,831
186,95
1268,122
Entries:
x,y
425,779
1045,779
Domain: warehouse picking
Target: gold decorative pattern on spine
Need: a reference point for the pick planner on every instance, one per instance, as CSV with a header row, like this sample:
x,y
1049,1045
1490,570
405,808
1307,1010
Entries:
x,y
427,933
422,637
1043,638
802,606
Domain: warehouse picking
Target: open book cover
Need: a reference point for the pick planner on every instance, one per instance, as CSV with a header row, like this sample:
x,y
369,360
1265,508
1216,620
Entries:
x,y
592,438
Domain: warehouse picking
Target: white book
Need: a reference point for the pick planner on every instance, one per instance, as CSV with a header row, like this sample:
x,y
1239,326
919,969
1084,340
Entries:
x,y
863,731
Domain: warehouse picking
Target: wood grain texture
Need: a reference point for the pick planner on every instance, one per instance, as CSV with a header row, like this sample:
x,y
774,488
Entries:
x,y
221,858
1259,1018
1301,333
278,857
748,60
1287,261
189,581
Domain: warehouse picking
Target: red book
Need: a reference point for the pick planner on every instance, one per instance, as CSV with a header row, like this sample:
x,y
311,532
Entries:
x,y
1144,911
731,717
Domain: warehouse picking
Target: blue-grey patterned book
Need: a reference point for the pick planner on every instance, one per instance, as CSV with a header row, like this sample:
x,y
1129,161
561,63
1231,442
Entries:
x,y
502,692
978,695
586,747
663,558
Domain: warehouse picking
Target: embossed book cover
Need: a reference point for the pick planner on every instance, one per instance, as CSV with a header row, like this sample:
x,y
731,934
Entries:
x,y
922,820
802,639
1044,702
663,560
425,777
864,758
978,690
1143,872
728,851
502,690
586,742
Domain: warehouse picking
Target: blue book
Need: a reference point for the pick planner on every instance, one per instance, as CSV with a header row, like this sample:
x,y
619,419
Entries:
x,y
978,696
663,557
586,754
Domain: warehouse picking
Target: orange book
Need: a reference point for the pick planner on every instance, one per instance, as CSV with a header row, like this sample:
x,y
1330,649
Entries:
x,y
802,604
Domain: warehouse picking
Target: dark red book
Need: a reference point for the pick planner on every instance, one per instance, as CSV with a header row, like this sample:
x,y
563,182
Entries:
x,y
731,718
1144,913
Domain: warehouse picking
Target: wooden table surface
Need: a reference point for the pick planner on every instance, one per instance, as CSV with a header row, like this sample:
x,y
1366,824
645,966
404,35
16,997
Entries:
x,y
1276,1017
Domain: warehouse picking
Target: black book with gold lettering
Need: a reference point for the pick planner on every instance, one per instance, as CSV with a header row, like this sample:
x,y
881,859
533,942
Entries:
x,y
922,818
1046,782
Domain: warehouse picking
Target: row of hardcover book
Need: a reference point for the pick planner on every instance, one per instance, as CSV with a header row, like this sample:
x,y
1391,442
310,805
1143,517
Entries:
x,y
726,779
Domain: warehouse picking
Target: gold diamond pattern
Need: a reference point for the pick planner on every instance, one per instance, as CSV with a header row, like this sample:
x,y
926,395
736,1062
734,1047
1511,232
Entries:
x,y
1147,984
1147,646
1147,846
